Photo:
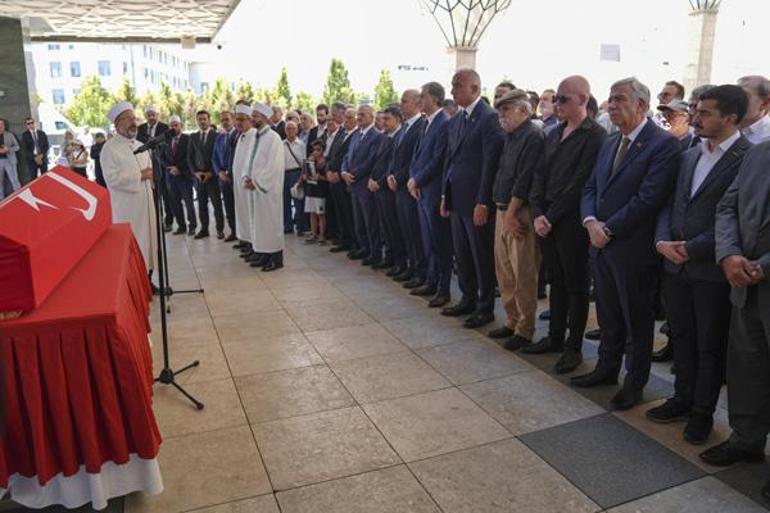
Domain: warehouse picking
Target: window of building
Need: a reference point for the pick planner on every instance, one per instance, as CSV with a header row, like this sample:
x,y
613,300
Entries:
x,y
75,92
70,47
125,67
144,49
153,76
55,69
151,53
104,68
204,87
74,69
58,96
53,47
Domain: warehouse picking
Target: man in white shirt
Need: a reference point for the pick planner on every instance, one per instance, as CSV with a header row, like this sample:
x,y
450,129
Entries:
x,y
756,125
695,289
293,156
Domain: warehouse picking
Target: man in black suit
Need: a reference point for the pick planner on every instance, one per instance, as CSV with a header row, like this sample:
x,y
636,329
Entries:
x,y
34,142
179,178
200,153
146,131
277,122
634,174
340,129
472,156
318,131
696,291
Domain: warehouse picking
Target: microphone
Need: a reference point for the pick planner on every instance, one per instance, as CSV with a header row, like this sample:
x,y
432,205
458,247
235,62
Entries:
x,y
155,142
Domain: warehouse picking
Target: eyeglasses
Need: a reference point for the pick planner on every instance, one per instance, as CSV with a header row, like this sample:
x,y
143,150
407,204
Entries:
x,y
30,123
560,98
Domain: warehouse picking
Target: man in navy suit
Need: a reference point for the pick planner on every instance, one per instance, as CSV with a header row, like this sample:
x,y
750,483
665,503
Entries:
x,y
633,176
473,152
696,291
356,169
179,178
35,143
424,185
406,205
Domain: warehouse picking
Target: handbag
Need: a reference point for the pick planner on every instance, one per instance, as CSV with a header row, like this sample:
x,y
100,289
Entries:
x,y
297,192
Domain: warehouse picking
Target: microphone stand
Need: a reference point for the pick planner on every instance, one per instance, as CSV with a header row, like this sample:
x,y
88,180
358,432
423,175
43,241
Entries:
x,y
167,375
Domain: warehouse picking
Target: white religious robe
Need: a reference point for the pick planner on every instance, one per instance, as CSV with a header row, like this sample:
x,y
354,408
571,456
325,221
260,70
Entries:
x,y
130,196
241,159
266,200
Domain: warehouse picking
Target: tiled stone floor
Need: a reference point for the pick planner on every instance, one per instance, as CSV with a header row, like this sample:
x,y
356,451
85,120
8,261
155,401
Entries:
x,y
328,389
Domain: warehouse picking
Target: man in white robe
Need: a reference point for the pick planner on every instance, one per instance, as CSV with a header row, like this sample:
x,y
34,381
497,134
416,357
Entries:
x,y
240,163
263,182
129,179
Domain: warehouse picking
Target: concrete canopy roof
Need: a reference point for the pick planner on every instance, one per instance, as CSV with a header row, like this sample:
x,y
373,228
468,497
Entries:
x,y
121,20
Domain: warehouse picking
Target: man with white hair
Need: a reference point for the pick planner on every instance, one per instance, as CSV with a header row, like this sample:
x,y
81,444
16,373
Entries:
x,y
129,180
146,131
756,125
262,179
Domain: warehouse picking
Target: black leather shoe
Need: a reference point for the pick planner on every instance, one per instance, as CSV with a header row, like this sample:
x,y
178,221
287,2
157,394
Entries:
x,y
220,235
594,334
167,228
698,429
414,283
191,231
595,378
461,308
626,399
395,271
231,238
670,411
407,275
726,454
544,345
382,264
545,315
259,261
202,234
438,300
272,265
665,354
180,231
370,261
358,254
246,254
424,290
569,361
501,332
339,248
516,342
240,245
766,491
478,320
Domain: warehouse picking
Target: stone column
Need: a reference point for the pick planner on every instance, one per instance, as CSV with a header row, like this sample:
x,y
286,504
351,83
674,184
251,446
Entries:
x,y
702,28
463,57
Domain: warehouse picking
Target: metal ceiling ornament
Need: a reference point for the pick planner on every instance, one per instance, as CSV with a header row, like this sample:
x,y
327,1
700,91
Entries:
x,y
705,5
463,22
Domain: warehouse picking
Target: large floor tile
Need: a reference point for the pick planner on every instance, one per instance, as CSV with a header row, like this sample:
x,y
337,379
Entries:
x,y
354,342
470,361
707,495
391,490
213,365
327,315
319,447
300,294
388,376
433,423
270,354
221,304
748,478
177,416
530,401
428,332
610,461
397,306
252,326
261,504
205,469
291,393
502,477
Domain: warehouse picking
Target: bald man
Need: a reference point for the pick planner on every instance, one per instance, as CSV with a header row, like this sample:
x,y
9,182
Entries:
x,y
570,154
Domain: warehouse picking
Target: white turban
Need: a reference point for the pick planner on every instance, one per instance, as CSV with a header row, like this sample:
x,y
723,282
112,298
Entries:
x,y
150,108
243,109
174,119
118,109
263,109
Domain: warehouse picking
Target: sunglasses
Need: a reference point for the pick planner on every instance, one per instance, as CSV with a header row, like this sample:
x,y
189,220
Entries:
x,y
560,98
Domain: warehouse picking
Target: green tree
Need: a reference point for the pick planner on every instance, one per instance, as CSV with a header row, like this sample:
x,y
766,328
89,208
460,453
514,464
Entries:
x,y
282,92
169,103
91,104
146,100
244,91
219,98
304,101
337,88
126,93
190,105
384,91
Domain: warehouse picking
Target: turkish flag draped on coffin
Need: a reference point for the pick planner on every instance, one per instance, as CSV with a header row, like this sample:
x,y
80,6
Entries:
x,y
46,227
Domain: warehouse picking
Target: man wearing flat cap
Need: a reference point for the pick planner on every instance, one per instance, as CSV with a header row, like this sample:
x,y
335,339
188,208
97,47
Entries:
x,y
677,121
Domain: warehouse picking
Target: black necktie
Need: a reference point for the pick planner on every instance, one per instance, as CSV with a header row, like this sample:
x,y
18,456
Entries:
x,y
621,154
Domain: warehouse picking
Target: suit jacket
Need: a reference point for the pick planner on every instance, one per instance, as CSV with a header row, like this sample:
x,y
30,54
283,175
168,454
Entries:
x,y
472,157
28,144
200,151
178,158
312,136
428,160
280,129
382,161
361,156
337,151
403,151
629,201
143,131
691,218
743,221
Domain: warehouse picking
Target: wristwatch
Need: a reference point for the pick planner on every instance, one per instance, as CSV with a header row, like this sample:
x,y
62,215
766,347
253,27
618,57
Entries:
x,y
607,232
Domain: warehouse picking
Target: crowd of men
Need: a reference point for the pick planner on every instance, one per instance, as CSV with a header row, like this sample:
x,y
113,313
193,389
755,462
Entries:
x,y
616,201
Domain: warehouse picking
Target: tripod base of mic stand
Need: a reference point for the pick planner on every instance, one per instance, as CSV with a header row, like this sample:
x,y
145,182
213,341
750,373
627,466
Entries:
x,y
167,377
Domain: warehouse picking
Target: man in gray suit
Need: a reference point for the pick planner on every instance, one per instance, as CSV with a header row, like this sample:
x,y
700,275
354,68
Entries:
x,y
743,251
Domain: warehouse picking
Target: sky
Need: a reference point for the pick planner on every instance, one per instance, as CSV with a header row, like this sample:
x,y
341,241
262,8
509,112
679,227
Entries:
x,y
534,43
